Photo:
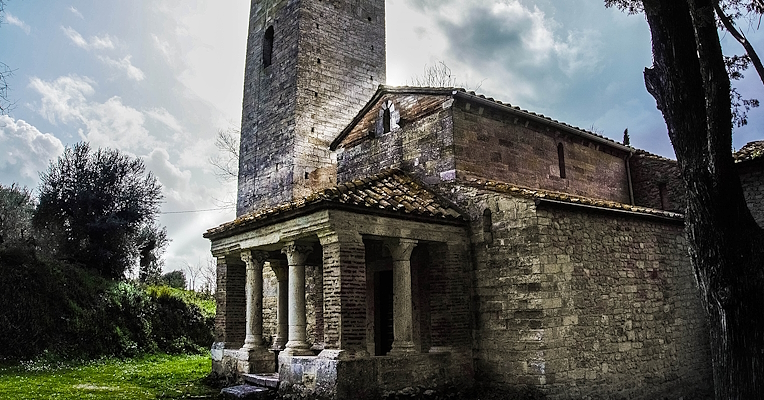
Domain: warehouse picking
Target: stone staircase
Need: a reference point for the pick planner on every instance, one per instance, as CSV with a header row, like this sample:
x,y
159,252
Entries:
x,y
255,387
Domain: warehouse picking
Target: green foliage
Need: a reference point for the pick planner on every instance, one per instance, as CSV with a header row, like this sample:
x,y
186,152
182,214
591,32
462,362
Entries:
x,y
175,279
152,377
64,309
16,208
205,301
152,240
93,205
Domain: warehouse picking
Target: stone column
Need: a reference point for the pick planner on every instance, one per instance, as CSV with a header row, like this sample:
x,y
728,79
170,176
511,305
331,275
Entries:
x,y
282,307
403,323
253,356
253,288
296,257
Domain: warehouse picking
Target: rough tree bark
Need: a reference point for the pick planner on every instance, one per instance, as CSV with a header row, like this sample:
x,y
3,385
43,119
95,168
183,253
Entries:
x,y
691,87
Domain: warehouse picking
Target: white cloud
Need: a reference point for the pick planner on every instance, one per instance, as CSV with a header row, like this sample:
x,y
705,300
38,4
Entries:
x,y
108,124
163,116
13,20
76,12
96,42
125,66
64,99
25,151
164,48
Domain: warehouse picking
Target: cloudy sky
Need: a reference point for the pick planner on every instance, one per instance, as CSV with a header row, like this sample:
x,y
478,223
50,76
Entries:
x,y
157,79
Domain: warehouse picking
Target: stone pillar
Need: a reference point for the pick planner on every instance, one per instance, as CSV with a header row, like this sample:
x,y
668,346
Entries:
x,y
403,323
296,257
254,291
253,356
344,285
282,307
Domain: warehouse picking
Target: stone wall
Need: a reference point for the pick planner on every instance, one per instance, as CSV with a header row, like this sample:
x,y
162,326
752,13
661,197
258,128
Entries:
x,y
583,304
622,314
752,179
497,145
328,60
230,302
656,182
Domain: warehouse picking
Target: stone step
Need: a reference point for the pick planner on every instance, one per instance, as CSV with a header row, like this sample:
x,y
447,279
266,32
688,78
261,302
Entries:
x,y
263,380
245,392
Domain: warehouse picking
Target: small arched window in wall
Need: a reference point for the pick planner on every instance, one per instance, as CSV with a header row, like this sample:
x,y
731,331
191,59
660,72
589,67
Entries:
x,y
663,193
487,226
268,47
388,118
561,159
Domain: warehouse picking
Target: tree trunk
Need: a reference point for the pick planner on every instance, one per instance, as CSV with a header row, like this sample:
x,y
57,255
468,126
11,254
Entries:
x,y
691,88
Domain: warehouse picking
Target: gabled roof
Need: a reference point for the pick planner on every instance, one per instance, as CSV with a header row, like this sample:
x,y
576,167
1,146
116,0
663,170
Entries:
x,y
391,192
485,101
749,152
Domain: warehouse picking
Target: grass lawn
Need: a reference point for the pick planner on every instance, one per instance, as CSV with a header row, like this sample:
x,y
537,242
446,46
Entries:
x,y
150,377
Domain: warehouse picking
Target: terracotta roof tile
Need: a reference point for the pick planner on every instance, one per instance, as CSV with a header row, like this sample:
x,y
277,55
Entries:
x,y
751,151
390,190
502,187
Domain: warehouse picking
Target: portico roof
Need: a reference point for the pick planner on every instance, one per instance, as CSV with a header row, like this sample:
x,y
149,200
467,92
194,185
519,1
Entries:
x,y
391,192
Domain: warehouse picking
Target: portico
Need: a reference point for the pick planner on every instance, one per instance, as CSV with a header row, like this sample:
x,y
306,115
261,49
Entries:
x,y
429,322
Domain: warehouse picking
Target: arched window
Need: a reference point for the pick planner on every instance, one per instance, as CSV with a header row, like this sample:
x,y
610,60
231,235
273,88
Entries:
x,y
268,47
487,226
561,159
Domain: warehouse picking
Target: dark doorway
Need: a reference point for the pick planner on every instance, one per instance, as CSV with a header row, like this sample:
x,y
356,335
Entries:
x,y
383,315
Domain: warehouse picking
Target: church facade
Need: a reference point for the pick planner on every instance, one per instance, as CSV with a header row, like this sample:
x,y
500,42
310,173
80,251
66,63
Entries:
x,y
396,237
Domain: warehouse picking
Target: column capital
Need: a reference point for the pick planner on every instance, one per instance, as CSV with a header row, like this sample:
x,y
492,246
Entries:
x,y
400,248
251,257
296,254
279,268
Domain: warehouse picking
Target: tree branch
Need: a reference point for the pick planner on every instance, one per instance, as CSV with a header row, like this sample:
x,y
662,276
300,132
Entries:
x,y
740,37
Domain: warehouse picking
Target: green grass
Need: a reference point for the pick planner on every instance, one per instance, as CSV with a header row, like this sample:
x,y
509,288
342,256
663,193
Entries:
x,y
150,377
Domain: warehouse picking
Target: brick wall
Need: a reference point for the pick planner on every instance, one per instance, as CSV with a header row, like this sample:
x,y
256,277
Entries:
x,y
328,59
495,145
752,179
230,302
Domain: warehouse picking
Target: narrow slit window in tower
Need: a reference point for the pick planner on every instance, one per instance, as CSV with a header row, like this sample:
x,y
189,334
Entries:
x,y
663,193
268,47
561,159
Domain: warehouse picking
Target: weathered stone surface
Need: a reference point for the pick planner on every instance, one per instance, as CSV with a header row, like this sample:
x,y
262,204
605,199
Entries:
x,y
245,392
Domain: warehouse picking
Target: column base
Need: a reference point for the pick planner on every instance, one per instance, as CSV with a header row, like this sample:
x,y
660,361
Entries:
x,y
255,360
295,348
402,348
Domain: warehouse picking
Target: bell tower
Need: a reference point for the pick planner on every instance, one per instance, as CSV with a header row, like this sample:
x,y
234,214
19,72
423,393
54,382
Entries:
x,y
311,65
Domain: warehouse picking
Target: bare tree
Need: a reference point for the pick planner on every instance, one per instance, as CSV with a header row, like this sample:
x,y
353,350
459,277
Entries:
x,y
5,73
440,75
226,163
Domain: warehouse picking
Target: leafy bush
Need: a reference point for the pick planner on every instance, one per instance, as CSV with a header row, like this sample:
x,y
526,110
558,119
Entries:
x,y
60,308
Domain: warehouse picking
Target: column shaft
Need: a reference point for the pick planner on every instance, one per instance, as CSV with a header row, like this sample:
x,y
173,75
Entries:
x,y
254,294
296,256
282,307
403,322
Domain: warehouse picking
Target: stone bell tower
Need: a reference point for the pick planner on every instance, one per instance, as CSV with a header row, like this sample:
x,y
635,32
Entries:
x,y
311,66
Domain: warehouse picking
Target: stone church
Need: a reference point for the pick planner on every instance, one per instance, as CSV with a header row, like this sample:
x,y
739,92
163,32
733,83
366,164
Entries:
x,y
394,237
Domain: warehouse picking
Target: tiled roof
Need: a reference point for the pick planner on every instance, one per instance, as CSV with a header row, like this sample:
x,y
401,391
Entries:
x,y
391,191
751,151
537,194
